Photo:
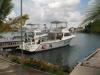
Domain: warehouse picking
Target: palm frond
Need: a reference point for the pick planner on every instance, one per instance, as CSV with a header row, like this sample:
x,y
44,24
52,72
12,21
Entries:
x,y
93,13
5,8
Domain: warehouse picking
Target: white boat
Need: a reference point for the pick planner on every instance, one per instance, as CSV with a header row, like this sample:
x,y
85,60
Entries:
x,y
55,37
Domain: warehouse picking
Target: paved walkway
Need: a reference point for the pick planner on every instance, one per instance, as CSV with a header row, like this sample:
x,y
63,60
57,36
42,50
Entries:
x,y
89,66
7,68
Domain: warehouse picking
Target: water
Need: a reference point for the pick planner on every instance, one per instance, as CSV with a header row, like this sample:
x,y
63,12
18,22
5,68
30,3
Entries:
x,y
80,47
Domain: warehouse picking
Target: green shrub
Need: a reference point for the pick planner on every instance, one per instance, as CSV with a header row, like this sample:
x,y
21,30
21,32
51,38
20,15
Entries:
x,y
15,59
40,65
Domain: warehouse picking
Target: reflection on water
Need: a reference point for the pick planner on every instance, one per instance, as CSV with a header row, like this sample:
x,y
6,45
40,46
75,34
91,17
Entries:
x,y
80,47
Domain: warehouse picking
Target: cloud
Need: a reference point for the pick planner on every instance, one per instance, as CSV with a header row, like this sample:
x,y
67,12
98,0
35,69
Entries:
x,y
72,2
74,16
54,5
44,11
12,14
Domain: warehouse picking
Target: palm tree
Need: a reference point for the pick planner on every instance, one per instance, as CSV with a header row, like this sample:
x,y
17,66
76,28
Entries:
x,y
5,9
15,23
92,14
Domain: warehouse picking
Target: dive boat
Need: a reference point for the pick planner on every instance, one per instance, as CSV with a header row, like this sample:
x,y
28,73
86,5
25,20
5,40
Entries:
x,y
56,36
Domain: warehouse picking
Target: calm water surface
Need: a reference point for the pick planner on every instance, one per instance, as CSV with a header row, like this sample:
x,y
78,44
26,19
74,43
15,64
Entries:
x,y
80,47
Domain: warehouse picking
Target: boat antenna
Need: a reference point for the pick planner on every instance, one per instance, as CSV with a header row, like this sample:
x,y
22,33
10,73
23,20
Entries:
x,y
21,13
45,27
66,24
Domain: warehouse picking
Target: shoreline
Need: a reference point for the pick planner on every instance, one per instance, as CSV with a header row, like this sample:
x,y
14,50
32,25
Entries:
x,y
89,66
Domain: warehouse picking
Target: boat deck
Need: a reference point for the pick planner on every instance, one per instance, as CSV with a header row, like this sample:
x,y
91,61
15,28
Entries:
x,y
7,44
57,40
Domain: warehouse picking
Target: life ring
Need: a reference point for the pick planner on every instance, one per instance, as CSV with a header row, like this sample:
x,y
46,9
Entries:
x,y
44,46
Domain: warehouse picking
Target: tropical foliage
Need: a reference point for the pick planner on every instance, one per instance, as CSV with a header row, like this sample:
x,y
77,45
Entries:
x,y
5,8
93,17
14,24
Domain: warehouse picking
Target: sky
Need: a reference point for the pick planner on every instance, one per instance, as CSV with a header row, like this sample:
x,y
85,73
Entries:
x,y
45,11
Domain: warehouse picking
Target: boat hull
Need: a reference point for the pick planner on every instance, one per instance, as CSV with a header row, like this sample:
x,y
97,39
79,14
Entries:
x,y
31,47
47,46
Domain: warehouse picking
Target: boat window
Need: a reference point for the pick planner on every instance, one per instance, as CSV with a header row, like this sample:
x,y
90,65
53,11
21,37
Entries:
x,y
38,42
38,33
44,39
51,36
59,36
67,34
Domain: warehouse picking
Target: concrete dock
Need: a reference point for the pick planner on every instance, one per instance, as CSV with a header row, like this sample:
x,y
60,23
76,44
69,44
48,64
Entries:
x,y
89,66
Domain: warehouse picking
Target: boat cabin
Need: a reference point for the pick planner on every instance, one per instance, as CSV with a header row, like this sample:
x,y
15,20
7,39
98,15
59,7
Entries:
x,y
56,33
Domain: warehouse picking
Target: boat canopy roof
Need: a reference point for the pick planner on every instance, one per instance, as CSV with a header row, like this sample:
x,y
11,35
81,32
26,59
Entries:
x,y
65,30
38,36
56,22
37,31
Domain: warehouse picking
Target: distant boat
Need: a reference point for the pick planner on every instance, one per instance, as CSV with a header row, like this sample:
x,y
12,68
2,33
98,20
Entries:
x,y
11,39
57,36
